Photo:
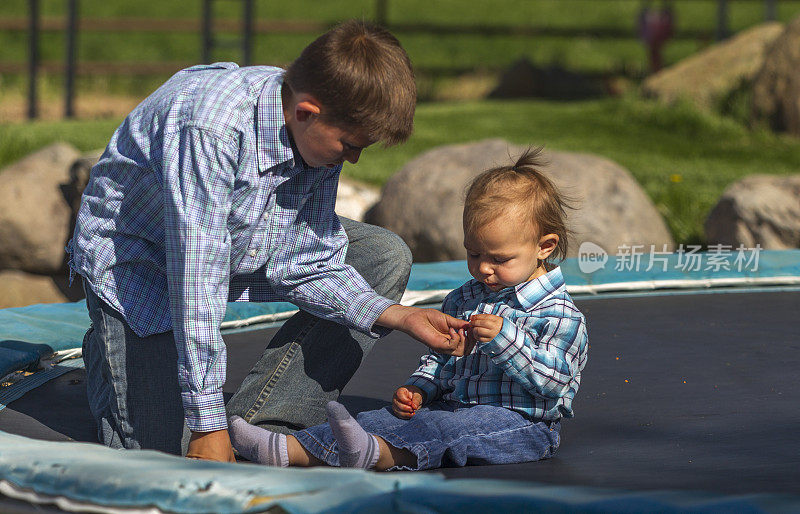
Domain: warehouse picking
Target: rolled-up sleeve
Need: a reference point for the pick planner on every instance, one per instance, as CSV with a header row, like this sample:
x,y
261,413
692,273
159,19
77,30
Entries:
x,y
307,267
428,375
198,180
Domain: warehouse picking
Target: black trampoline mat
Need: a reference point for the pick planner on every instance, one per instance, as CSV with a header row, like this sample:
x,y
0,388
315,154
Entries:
x,y
695,392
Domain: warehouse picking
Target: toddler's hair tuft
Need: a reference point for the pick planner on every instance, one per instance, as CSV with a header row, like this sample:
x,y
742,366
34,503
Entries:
x,y
522,192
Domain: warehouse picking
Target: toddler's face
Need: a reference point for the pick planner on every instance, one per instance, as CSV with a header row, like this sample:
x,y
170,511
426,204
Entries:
x,y
503,254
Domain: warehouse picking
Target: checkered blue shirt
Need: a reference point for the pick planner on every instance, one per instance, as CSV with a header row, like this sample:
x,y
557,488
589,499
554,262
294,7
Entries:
x,y
199,199
532,366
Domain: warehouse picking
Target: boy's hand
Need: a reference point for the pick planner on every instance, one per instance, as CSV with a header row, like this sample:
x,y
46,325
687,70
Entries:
x,y
406,401
211,446
436,330
485,327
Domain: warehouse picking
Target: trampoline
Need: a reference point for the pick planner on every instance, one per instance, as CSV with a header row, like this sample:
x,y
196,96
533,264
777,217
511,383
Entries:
x,y
689,402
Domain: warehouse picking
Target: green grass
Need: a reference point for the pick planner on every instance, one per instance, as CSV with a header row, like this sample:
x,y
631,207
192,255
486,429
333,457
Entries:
x,y
431,50
684,159
19,139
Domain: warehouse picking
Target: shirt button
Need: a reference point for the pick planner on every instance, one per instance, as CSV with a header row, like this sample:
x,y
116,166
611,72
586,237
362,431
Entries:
x,y
265,217
253,252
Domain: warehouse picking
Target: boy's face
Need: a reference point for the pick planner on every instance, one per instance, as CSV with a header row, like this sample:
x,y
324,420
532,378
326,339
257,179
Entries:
x,y
319,142
503,254
322,144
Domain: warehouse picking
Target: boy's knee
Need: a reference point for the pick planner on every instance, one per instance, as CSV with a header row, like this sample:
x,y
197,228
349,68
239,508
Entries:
x,y
383,259
398,252
396,267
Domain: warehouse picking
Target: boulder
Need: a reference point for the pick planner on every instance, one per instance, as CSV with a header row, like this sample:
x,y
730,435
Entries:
x,y
776,89
34,213
20,289
423,202
708,77
353,198
759,209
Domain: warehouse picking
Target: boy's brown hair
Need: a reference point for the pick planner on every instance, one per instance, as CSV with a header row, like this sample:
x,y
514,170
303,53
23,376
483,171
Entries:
x,y
523,192
363,78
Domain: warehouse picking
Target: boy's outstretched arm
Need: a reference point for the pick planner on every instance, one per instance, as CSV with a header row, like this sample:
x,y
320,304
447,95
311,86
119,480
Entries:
x,y
434,329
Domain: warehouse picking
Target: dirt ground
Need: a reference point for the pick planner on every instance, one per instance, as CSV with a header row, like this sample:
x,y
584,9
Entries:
x,y
14,107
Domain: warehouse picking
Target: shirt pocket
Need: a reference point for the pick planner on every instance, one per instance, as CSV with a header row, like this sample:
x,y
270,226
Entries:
x,y
282,217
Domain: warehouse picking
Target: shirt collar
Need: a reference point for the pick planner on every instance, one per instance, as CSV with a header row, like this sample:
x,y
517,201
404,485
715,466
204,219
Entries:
x,y
530,293
274,145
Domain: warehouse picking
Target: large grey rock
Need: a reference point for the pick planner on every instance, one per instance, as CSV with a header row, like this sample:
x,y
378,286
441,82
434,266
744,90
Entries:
x,y
423,202
776,90
708,77
34,213
19,289
759,209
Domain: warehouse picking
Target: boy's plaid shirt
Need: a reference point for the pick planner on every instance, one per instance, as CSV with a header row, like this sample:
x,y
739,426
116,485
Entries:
x,y
532,366
199,199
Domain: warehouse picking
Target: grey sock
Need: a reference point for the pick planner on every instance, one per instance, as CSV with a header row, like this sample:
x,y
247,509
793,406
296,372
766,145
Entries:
x,y
357,448
257,444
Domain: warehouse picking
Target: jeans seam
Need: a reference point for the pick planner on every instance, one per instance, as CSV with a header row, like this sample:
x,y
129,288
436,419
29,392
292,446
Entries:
x,y
491,434
266,391
121,418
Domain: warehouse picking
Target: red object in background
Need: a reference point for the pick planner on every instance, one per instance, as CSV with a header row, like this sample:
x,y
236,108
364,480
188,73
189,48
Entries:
x,y
655,28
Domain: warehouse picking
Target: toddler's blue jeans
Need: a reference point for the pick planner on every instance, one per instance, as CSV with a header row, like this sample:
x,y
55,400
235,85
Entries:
x,y
448,434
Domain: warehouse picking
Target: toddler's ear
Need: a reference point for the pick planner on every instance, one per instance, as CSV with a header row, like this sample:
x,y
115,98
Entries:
x,y
547,245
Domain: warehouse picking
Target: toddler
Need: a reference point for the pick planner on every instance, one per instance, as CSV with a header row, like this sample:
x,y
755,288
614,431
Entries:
x,y
500,403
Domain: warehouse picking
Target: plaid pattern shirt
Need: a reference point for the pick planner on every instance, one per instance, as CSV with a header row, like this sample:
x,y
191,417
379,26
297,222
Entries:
x,y
200,199
532,366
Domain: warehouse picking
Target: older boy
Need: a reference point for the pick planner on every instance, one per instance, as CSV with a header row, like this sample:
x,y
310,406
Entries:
x,y
221,185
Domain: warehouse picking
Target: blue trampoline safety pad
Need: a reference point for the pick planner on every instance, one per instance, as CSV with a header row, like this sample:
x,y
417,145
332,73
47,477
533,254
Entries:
x,y
30,333
82,473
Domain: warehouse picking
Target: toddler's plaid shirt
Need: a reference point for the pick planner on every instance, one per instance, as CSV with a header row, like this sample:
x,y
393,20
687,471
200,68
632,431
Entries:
x,y
532,366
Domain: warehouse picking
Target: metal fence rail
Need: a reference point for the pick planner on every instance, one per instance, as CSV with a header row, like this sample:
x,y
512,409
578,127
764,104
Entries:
x,y
248,27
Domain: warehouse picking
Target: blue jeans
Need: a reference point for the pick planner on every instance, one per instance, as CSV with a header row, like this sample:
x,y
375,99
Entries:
x,y
132,382
448,434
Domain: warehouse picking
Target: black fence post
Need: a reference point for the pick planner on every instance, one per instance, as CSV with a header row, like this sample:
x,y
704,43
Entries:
x,y
722,20
69,72
381,12
33,57
205,58
247,37
771,10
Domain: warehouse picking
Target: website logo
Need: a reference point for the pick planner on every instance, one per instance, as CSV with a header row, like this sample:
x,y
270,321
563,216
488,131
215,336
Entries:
x,y
591,257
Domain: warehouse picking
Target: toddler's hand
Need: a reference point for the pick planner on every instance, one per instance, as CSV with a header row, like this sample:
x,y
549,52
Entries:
x,y
485,327
406,401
